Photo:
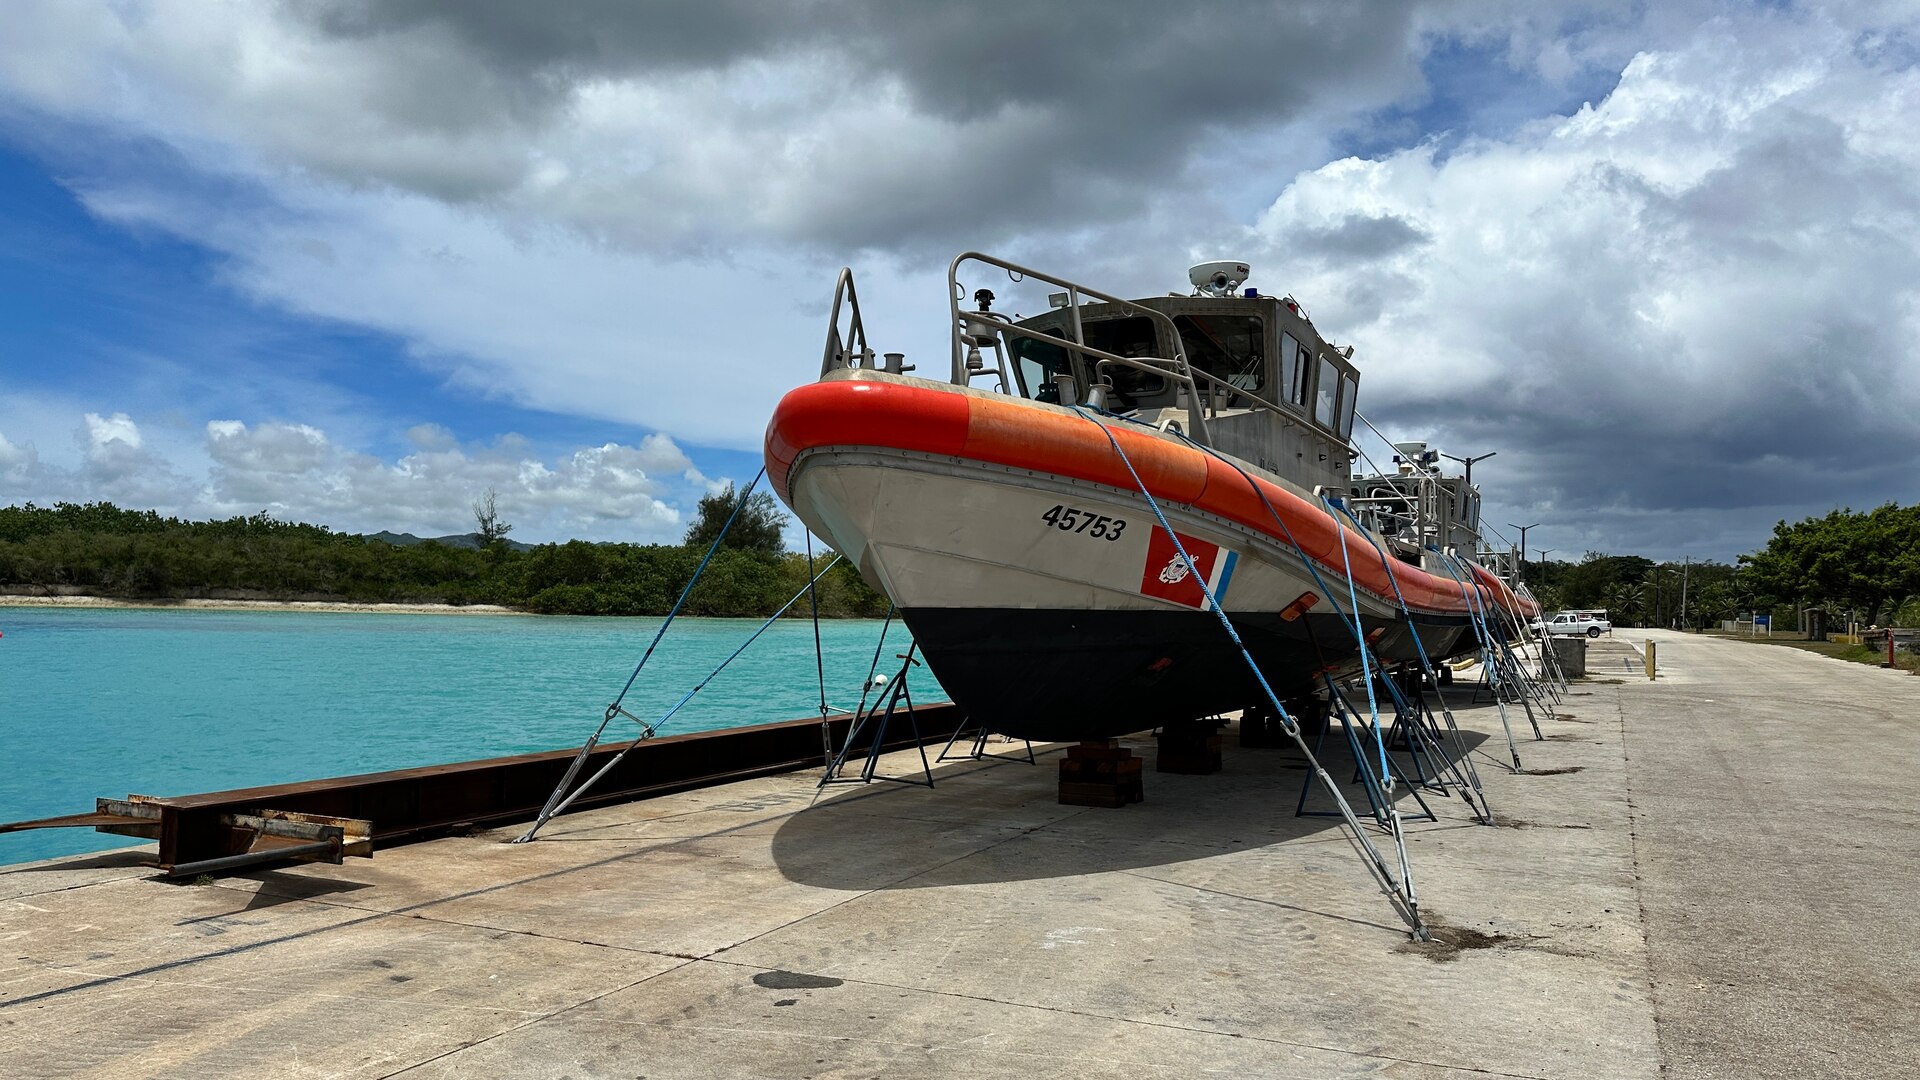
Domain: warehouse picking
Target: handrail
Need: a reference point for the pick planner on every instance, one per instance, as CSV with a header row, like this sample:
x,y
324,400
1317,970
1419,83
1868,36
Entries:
x,y
840,352
1180,369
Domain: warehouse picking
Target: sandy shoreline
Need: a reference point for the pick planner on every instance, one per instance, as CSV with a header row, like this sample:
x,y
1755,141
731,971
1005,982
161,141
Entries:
x,y
256,605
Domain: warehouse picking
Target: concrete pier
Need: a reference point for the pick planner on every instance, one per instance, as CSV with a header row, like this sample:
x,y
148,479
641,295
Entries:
x,y
1709,875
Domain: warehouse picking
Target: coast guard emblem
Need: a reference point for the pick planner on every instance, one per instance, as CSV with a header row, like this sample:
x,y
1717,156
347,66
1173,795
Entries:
x,y
1167,576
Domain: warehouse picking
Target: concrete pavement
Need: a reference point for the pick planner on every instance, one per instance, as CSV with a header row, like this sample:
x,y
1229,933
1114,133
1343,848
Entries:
x,y
1777,823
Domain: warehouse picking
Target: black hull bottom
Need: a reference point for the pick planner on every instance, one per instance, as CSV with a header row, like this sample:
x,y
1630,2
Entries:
x,y
1065,676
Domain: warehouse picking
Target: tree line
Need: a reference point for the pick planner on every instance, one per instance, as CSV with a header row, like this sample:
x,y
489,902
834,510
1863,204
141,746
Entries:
x,y
104,550
1863,564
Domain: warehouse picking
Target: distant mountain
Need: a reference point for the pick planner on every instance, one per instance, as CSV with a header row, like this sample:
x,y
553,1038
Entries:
x,y
471,541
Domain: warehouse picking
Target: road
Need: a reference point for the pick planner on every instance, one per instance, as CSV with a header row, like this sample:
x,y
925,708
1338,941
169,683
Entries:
x,y
1776,822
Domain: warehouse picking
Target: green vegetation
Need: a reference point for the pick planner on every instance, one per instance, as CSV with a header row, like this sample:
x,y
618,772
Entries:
x,y
1866,565
1873,652
102,550
1640,592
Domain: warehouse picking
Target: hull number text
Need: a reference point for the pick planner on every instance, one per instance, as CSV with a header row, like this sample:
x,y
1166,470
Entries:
x,y
1100,526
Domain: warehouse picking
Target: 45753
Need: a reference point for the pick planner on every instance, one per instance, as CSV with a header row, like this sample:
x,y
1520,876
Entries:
x,y
1086,522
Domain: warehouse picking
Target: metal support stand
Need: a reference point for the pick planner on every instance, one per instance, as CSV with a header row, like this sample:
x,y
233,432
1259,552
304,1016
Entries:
x,y
1410,703
979,749
1377,787
885,704
1487,662
1521,686
1427,743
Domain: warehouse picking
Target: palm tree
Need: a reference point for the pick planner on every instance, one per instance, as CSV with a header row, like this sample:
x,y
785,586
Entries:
x,y
1625,603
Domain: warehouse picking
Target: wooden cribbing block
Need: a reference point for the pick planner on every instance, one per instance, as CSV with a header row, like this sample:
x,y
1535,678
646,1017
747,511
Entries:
x,y
1193,749
1100,774
1260,728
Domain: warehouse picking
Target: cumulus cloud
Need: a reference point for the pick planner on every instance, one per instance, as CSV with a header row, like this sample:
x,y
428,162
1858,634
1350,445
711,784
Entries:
x,y
568,208
1698,295
118,464
292,471
850,122
295,472
18,464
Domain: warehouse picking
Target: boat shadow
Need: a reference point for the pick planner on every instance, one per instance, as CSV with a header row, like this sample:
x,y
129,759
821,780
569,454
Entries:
x,y
999,820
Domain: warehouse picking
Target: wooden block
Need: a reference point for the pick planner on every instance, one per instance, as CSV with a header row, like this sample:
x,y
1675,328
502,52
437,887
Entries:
x,y
1103,795
1189,764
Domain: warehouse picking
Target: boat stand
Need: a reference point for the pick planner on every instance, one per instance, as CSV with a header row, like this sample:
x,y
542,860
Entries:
x,y
1521,685
885,705
1191,747
1100,772
1417,726
1376,784
1414,713
979,749
1487,662
1550,671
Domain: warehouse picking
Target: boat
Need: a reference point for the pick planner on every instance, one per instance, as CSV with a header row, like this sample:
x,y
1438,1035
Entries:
x,y
1021,508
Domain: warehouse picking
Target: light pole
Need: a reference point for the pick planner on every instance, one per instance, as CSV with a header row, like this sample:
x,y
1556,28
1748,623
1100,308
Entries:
x,y
1468,462
1544,552
1523,537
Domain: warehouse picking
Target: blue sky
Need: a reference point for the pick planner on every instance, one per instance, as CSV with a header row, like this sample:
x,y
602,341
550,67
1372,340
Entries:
x,y
356,269
87,306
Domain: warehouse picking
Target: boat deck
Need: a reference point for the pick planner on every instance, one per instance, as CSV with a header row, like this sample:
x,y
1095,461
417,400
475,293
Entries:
x,y
1669,889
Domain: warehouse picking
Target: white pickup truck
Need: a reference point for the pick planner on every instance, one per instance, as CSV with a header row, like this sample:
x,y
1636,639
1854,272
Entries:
x,y
1575,623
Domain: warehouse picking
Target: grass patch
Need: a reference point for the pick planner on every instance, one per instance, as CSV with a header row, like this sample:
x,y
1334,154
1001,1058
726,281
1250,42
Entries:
x,y
1874,654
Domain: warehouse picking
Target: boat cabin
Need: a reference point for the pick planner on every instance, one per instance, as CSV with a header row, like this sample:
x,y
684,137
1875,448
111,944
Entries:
x,y
1416,508
1272,390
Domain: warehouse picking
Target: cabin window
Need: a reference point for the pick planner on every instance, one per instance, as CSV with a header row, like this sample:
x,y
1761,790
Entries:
x,y
1231,348
1326,394
1349,396
1125,337
1296,366
1038,362
1289,368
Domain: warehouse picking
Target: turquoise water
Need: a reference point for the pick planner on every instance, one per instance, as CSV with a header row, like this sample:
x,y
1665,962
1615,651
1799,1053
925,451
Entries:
x,y
107,702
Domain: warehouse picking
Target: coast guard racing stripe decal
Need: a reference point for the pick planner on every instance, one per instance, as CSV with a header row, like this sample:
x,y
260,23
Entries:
x,y
1168,577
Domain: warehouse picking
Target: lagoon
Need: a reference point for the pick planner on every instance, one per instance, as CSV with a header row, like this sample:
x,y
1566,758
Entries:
x,y
104,702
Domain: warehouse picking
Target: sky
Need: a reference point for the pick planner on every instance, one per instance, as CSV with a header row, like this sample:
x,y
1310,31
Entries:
x,y
356,262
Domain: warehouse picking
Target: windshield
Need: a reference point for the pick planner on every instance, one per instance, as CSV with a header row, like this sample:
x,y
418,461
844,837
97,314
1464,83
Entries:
x,y
1293,370
1126,337
1037,363
1326,391
1231,348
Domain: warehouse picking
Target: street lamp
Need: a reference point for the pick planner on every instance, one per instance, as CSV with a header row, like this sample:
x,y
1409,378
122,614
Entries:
x,y
1468,462
1523,537
1544,552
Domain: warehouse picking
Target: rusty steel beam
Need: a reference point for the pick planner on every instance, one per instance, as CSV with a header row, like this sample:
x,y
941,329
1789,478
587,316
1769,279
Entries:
x,y
247,826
